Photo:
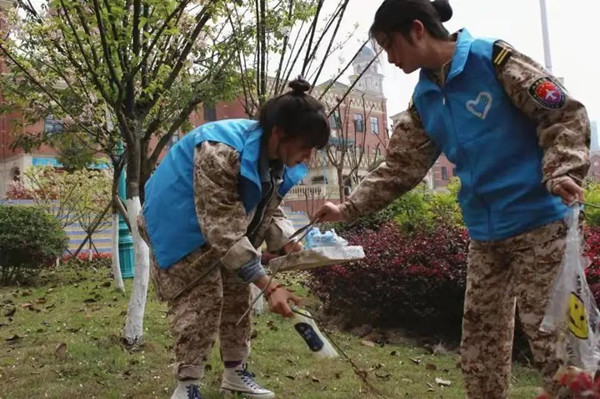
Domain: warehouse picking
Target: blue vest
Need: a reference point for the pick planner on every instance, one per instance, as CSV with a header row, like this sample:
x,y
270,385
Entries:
x,y
492,143
169,207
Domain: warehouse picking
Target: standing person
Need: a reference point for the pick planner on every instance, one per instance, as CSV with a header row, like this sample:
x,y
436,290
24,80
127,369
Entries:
x,y
209,206
520,145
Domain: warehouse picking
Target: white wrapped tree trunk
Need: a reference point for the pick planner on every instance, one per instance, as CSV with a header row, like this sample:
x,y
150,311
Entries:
x,y
137,303
116,266
259,306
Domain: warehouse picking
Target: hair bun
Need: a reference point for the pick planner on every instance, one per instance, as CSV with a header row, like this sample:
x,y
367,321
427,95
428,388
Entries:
x,y
299,86
443,9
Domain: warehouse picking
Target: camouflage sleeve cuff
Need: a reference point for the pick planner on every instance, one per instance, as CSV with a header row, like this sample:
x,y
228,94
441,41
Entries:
x,y
240,254
251,271
551,183
278,233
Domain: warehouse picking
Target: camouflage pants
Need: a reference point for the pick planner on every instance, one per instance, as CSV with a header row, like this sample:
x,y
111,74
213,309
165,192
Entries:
x,y
202,311
209,309
517,272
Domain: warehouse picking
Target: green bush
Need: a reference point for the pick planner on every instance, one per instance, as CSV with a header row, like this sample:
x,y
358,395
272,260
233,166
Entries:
x,y
29,240
592,196
419,210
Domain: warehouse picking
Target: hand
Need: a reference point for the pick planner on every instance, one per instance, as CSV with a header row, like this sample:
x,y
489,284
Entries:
x,y
292,247
329,212
569,191
279,299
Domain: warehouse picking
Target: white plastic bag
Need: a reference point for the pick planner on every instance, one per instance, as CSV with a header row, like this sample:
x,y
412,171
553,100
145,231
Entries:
x,y
572,310
317,257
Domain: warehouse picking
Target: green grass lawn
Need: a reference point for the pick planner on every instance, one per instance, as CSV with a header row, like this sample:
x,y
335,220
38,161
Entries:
x,y
63,341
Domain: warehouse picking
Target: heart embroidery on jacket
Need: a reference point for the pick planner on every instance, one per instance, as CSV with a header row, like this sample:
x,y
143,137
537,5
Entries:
x,y
481,105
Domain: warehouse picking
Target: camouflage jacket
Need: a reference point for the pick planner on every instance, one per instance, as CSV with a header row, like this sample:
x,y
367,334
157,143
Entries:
x,y
224,222
221,212
563,134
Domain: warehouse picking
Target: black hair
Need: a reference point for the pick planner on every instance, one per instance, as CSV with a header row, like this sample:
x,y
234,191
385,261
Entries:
x,y
298,114
398,16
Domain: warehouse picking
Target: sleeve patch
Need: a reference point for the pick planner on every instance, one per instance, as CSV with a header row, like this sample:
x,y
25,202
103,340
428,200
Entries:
x,y
547,93
501,53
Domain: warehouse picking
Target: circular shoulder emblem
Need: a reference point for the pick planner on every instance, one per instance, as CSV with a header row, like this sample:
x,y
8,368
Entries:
x,y
547,93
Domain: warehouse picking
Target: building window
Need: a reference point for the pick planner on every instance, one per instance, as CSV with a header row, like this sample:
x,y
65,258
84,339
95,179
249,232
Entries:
x,y
375,125
52,125
359,123
210,113
319,180
444,173
16,174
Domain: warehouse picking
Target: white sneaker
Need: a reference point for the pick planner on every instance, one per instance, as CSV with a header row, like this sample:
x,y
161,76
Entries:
x,y
187,390
239,380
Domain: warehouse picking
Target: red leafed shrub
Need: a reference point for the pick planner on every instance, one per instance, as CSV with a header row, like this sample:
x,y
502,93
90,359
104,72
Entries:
x,y
593,252
18,191
414,281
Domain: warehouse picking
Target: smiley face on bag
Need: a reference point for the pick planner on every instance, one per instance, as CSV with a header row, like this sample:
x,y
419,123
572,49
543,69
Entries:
x,y
578,324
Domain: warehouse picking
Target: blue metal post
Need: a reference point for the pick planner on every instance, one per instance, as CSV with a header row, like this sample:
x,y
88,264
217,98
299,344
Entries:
x,y
126,253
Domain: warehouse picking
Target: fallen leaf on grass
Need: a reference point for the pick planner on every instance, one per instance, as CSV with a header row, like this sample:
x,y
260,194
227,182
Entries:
x,y
9,312
441,382
15,337
431,366
61,350
370,344
416,360
377,366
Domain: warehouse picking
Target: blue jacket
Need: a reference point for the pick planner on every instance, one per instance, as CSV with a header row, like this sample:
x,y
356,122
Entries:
x,y
169,207
492,143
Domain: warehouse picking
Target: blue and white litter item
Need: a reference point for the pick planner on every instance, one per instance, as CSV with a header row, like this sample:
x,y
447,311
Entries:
x,y
315,238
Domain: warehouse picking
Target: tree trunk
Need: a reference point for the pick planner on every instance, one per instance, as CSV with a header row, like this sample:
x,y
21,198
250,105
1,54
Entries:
x,y
137,302
116,266
259,306
340,176
90,250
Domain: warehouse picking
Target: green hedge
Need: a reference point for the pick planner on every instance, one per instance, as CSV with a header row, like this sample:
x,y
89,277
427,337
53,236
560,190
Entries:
x,y
30,239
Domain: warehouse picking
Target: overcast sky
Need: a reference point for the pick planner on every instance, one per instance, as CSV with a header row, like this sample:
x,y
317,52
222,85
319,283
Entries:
x,y
574,27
